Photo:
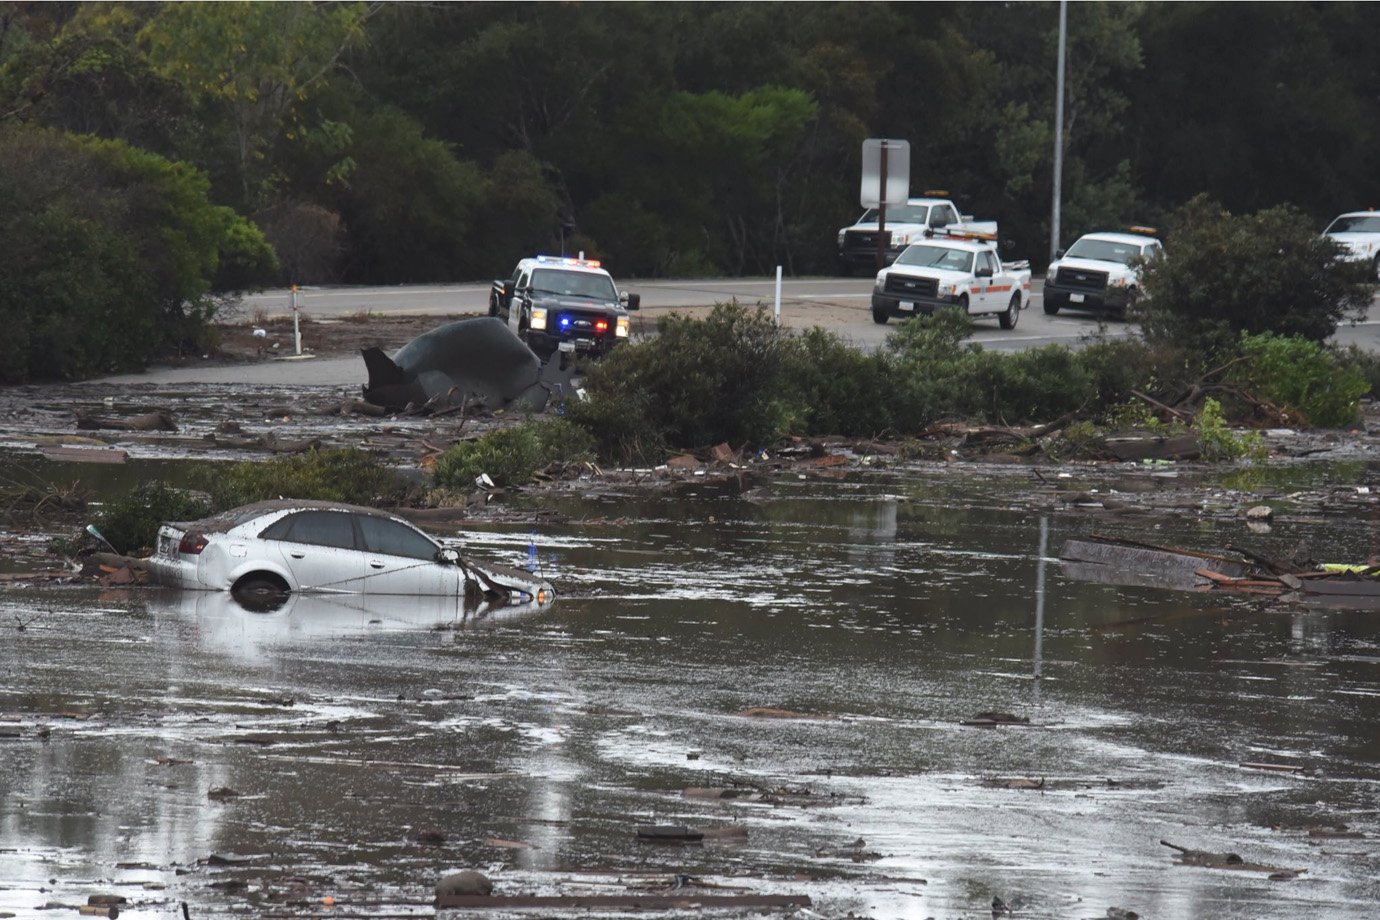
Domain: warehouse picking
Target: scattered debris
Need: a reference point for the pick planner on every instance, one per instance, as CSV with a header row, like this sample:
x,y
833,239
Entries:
x,y
222,794
1015,782
160,420
856,851
669,833
1209,860
629,902
1113,560
994,719
769,712
467,883
1275,767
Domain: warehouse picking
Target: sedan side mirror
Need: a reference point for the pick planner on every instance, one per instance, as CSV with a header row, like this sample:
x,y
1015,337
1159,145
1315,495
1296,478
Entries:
x,y
634,301
448,556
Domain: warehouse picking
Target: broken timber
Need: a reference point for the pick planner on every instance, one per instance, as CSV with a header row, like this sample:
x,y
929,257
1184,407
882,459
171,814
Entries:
x,y
624,902
1117,561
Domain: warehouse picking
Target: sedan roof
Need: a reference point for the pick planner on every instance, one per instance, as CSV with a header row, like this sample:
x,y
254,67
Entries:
x,y
226,520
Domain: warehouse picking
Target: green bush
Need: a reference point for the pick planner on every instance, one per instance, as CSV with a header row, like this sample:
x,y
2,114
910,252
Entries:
x,y
699,382
110,255
1365,363
131,522
1301,374
1218,442
509,456
1266,272
833,388
350,475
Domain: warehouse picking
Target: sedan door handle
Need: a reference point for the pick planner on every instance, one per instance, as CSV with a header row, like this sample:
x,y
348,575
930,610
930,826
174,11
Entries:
x,y
298,555
375,564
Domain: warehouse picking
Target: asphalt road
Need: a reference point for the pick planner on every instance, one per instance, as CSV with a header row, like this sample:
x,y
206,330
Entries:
x,y
840,304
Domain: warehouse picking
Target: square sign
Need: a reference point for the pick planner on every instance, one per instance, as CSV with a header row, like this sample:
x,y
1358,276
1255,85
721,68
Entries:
x,y
897,172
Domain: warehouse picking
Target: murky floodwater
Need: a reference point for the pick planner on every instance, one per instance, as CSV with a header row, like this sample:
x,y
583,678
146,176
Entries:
x,y
374,749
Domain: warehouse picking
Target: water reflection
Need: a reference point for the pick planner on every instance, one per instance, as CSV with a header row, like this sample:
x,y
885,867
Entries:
x,y
219,621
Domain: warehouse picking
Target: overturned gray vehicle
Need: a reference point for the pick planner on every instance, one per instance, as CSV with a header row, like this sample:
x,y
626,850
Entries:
x,y
472,362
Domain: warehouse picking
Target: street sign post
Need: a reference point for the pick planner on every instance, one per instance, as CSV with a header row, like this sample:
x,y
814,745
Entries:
x,y
885,180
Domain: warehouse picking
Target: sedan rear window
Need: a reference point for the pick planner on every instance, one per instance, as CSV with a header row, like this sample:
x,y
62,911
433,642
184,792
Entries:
x,y
390,538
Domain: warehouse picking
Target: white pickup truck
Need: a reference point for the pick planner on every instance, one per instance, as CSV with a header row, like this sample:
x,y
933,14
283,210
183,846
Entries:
x,y
907,223
1359,233
956,269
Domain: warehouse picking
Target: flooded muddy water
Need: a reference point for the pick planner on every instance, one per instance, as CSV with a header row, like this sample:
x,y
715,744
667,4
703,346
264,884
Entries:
x,y
794,665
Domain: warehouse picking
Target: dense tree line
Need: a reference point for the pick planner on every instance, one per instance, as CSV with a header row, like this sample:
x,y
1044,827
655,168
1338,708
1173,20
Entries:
x,y
420,142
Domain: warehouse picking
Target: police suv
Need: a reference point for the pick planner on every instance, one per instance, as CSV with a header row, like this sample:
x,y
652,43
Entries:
x,y
1100,272
556,303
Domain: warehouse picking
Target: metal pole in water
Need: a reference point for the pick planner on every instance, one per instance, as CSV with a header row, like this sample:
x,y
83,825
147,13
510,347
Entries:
x,y
1040,607
778,295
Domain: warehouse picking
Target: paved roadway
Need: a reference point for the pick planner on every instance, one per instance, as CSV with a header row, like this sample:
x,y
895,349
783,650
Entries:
x,y
840,304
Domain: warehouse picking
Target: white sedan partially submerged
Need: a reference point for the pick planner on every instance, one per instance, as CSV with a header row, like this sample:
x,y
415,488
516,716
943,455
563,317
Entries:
x,y
288,546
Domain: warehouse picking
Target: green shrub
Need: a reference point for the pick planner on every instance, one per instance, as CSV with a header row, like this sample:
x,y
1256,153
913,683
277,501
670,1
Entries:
x,y
834,388
131,522
509,456
110,255
1365,363
1266,272
350,475
1218,442
1301,374
698,382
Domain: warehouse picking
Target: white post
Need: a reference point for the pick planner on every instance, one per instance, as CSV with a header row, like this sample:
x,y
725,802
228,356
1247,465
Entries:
x,y
777,311
296,327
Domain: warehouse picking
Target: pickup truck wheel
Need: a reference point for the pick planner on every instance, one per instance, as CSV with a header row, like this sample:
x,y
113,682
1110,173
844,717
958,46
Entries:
x,y
1050,308
880,316
1375,269
493,307
1013,313
963,304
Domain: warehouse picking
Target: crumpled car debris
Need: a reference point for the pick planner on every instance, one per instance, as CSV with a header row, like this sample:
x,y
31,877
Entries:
x,y
476,362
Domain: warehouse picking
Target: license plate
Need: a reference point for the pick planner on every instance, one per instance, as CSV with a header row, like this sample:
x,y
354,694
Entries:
x,y
906,305
570,346
1075,298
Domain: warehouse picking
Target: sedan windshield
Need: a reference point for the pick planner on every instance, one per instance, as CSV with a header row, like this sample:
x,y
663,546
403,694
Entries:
x,y
573,284
899,214
1356,223
956,260
1103,251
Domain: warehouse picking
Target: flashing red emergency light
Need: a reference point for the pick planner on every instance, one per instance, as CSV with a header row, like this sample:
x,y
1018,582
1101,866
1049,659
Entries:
x,y
601,325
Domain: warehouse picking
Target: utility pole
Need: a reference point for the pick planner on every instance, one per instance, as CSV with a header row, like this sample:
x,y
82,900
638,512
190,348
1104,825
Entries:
x,y
1059,130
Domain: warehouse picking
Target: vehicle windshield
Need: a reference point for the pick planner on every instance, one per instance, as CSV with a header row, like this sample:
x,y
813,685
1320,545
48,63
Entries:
x,y
573,284
1356,223
899,214
1104,251
956,260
